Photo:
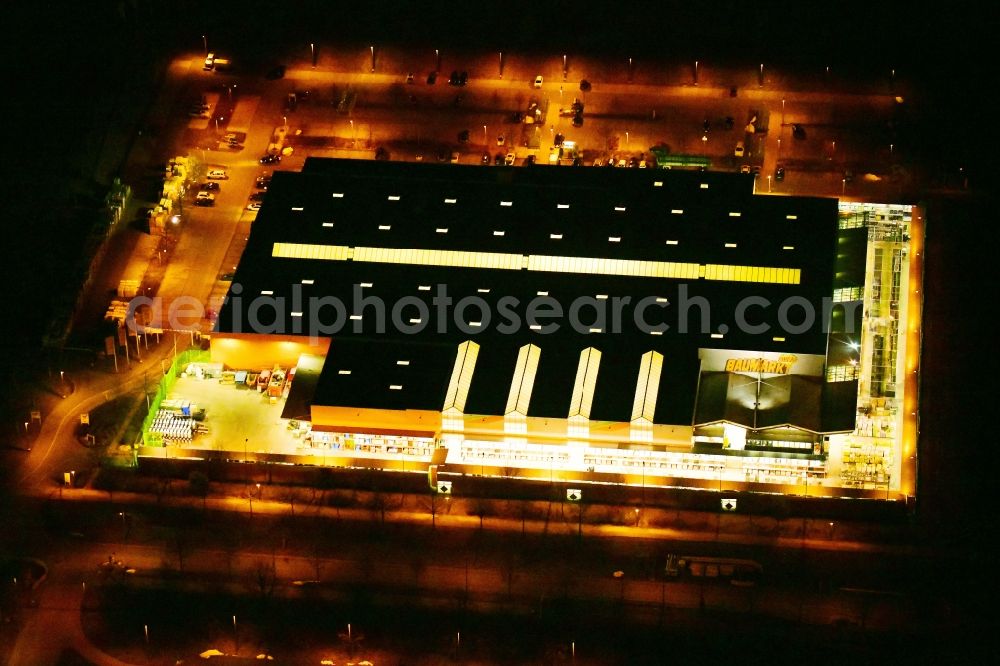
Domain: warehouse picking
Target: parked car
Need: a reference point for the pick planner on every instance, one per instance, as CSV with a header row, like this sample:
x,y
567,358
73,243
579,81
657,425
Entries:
x,y
217,174
578,120
409,77
739,150
209,62
486,158
538,81
270,159
204,199
432,78
210,187
798,132
262,182
509,160
254,205
779,174
501,140
498,159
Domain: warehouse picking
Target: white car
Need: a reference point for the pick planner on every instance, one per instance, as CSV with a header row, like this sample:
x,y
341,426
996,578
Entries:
x,y
738,152
209,61
538,81
253,205
217,174
509,160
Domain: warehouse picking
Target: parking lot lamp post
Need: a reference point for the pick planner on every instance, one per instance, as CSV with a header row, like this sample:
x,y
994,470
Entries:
x,y
760,82
696,72
373,57
843,186
626,141
353,137
768,184
500,66
565,69
204,41
486,140
437,56
312,52
630,70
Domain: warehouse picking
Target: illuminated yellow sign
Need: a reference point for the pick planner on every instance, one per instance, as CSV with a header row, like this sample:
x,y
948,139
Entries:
x,y
780,367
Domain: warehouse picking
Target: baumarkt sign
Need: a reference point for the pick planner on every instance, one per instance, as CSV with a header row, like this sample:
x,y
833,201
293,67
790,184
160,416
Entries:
x,y
782,366
754,362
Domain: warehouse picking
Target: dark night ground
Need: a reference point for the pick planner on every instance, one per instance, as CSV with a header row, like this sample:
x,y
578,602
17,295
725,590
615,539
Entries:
x,y
190,623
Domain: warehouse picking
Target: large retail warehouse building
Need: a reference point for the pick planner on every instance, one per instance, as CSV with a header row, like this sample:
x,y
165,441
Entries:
x,y
573,322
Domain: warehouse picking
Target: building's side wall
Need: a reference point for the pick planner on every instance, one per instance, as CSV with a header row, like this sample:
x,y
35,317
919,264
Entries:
x,y
411,422
254,352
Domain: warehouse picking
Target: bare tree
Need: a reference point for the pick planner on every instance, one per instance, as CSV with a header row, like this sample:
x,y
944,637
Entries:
x,y
262,579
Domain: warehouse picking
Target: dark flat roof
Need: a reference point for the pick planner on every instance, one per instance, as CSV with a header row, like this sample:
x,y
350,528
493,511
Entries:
x,y
760,233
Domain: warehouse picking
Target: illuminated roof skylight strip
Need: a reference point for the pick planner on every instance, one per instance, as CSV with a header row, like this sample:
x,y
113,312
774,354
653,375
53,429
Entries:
x,y
540,263
461,377
586,382
523,382
647,387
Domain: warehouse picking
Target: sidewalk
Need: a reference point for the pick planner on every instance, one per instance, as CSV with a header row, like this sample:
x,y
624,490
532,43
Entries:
x,y
459,515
